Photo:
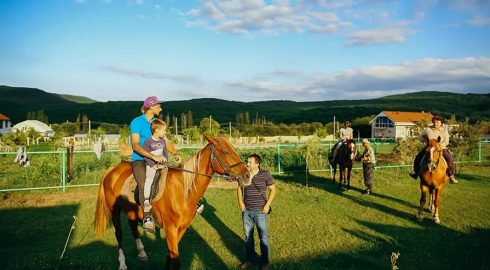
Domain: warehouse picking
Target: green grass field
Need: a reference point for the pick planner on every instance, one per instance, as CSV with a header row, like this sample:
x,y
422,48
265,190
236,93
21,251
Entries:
x,y
314,227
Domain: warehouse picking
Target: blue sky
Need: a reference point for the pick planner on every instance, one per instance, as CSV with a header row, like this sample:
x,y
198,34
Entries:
x,y
245,50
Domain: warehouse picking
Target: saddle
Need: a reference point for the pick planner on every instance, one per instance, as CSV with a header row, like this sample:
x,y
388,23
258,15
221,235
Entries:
x,y
130,192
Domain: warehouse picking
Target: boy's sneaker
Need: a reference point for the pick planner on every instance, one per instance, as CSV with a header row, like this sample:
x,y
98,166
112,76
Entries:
x,y
147,206
413,174
452,180
148,224
200,208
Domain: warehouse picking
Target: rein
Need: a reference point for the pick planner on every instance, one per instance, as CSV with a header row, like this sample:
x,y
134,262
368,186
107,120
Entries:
x,y
220,162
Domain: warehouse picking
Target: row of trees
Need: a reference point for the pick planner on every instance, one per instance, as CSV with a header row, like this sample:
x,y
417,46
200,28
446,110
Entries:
x,y
244,125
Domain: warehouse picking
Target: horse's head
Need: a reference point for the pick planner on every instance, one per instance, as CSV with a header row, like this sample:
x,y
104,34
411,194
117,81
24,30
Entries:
x,y
225,160
352,149
433,149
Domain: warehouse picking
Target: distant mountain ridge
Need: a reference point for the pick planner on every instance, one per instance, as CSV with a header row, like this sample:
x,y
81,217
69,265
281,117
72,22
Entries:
x,y
16,102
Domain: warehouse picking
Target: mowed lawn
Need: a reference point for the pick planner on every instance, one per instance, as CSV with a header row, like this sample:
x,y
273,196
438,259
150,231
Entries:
x,y
314,227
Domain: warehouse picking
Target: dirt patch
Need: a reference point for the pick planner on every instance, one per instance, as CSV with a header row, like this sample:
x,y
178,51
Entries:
x,y
76,195
47,198
223,184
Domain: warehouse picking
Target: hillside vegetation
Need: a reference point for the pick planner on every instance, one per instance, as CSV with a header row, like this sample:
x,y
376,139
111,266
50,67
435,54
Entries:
x,y
16,102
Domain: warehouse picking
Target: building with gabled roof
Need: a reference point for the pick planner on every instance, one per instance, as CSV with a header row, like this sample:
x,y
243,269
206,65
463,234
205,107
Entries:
x,y
5,124
396,124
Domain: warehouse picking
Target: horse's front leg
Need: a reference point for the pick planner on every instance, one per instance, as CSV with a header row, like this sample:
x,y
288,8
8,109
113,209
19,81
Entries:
x,y
437,197
173,259
133,224
341,177
423,191
348,178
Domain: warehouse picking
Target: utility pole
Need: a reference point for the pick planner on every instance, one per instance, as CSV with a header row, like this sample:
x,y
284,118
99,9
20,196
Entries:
x,y
334,127
176,125
229,125
210,127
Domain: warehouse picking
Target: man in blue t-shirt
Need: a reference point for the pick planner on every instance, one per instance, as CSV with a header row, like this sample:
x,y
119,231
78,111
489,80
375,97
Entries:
x,y
255,205
140,132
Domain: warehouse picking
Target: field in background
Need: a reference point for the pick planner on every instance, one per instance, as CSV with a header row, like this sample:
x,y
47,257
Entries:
x,y
314,227
48,168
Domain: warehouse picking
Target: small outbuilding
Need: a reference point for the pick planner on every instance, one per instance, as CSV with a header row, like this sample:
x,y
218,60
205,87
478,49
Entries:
x,y
5,124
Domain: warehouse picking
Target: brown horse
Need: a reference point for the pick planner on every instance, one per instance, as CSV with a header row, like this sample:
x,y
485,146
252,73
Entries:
x,y
432,178
345,158
176,208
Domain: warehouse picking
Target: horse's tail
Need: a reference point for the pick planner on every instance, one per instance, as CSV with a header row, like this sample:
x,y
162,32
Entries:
x,y
102,212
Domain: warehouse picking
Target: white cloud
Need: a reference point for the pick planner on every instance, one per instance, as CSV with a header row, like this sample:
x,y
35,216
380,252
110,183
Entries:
x,y
187,79
471,5
453,75
480,21
246,16
391,34
140,17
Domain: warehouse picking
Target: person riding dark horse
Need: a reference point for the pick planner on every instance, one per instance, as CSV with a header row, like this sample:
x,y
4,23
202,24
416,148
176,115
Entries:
x,y
345,134
345,158
432,133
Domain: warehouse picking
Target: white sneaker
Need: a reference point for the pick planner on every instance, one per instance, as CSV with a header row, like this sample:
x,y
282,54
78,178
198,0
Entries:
x,y
200,208
146,206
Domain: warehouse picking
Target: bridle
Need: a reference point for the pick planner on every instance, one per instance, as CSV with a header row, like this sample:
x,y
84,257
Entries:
x,y
214,157
433,164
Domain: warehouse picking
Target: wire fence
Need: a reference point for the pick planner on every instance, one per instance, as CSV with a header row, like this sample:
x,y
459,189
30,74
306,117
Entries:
x,y
49,169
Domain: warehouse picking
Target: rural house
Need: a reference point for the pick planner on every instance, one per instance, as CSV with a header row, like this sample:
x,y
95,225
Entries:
x,y
395,124
5,124
44,130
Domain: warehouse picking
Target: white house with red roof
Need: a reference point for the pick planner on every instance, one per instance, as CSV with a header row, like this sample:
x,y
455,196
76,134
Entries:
x,y
396,124
5,124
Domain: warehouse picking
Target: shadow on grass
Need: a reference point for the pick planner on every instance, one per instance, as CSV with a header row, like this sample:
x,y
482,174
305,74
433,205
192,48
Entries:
x,y
34,238
232,241
429,247
328,185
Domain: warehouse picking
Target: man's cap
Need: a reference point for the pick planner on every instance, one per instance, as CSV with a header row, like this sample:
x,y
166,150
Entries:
x,y
365,141
150,101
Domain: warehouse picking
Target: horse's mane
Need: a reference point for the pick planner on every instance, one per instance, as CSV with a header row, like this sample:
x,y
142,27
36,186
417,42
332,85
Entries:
x,y
189,178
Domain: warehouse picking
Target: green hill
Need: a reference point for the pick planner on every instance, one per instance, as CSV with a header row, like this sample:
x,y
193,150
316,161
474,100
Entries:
x,y
16,102
77,99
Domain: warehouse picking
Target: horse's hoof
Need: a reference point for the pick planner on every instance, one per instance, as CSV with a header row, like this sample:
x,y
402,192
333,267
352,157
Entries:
x,y
143,258
437,220
420,217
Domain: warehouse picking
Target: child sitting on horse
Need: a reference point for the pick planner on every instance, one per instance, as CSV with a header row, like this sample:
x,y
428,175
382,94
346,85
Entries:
x,y
156,145
345,134
140,132
433,132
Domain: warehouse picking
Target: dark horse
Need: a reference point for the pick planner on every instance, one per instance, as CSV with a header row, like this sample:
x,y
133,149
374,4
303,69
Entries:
x,y
176,208
432,178
345,159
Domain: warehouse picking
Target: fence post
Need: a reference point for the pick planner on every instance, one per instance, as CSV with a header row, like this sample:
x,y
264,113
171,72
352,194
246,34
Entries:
x,y
63,168
479,151
278,158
